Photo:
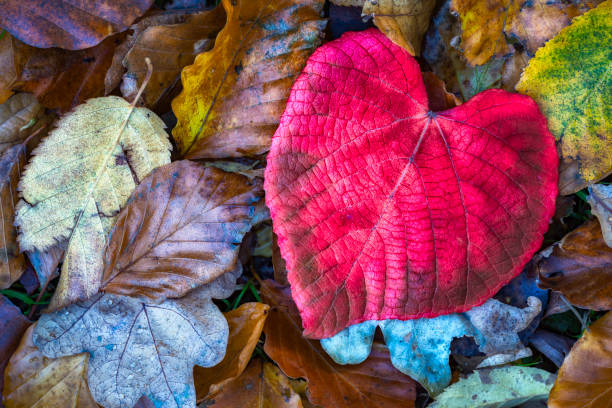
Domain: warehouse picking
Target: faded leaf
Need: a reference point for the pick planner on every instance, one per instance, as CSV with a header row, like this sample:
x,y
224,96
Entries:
x,y
245,327
79,179
553,345
502,387
580,267
584,379
373,383
18,118
181,228
233,96
33,380
171,48
12,325
575,96
262,385
403,21
600,198
136,348
69,24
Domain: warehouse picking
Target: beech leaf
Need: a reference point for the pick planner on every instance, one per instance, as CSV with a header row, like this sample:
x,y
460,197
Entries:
x,y
68,24
137,348
182,227
502,387
79,179
575,97
234,94
600,198
387,210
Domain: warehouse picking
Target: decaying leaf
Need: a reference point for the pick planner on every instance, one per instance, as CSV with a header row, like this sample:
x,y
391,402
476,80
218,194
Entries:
x,y
10,69
580,267
12,325
438,97
600,198
373,383
45,263
245,327
33,380
387,210
18,118
502,387
553,345
575,96
233,95
181,228
262,385
137,348
78,181
69,24
403,21
585,378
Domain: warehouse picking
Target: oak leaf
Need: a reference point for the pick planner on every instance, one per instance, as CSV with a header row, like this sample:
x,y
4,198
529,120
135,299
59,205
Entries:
x,y
600,199
68,24
245,327
387,210
373,383
79,179
584,378
12,325
33,380
580,267
233,95
181,228
575,97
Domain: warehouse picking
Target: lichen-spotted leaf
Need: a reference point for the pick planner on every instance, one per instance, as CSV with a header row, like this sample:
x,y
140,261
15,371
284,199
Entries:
x,y
386,210
78,181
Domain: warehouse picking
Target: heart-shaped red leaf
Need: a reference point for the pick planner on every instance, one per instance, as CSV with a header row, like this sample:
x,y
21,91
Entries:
x,y
386,210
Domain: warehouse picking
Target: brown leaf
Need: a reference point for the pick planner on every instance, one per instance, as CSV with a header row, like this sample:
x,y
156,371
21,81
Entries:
x,y
233,96
45,263
19,117
280,267
32,379
69,24
585,378
262,385
403,21
12,325
580,267
438,97
245,326
171,48
373,383
182,227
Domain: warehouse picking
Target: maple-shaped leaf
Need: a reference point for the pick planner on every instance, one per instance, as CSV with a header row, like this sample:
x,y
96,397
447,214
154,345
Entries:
x,y
79,179
387,210
137,348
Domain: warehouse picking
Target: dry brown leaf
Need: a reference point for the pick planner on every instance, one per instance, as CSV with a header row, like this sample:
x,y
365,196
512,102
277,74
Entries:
x,y
403,21
262,385
580,267
182,228
373,383
20,115
11,65
233,96
438,97
12,325
33,380
585,378
245,327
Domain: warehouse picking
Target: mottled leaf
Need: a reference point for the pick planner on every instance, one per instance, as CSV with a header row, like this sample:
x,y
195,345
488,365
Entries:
x,y
12,325
182,227
373,383
387,210
79,179
585,378
575,96
502,387
137,348
72,25
245,327
233,95
600,198
580,267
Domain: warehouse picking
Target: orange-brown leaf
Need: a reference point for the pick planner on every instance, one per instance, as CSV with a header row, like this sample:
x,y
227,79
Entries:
x,y
437,95
580,267
245,326
373,383
585,378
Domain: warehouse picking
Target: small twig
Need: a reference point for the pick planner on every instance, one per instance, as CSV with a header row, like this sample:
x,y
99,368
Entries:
x,y
38,299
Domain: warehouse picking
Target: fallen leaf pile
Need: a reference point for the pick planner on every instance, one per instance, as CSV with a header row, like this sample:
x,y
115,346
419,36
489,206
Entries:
x,y
305,203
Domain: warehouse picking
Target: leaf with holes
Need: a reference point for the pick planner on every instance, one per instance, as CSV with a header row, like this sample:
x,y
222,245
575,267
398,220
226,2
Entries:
x,y
387,210
78,181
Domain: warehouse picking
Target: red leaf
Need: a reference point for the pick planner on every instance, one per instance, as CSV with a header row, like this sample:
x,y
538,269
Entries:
x,y
385,210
